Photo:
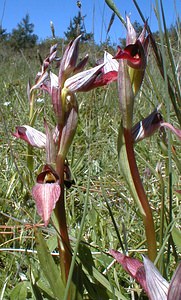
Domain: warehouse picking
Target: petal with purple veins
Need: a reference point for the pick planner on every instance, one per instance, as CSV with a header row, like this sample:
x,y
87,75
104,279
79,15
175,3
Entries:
x,y
157,285
32,136
174,291
133,266
83,80
46,195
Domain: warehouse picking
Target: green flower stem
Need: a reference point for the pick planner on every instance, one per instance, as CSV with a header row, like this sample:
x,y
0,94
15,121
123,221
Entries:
x,y
147,216
64,245
30,159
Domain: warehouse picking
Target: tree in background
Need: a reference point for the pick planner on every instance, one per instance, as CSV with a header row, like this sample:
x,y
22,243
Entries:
x,y
175,32
76,28
22,37
3,34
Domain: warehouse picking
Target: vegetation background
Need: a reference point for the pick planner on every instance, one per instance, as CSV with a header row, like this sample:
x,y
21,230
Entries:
x,y
93,159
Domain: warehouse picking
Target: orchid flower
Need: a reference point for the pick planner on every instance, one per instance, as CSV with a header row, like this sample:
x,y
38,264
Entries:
x,y
33,137
135,53
146,274
46,192
150,124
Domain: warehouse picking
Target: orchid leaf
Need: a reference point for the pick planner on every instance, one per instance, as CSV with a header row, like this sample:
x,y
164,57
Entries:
x,y
35,289
20,291
107,284
176,234
96,291
76,286
68,132
48,266
52,243
40,285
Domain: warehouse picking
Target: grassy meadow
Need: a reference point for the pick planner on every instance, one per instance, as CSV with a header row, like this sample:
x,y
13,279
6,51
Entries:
x,y
99,196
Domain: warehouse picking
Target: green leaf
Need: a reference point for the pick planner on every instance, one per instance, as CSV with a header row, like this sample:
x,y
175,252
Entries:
x,y
176,234
107,284
49,267
104,289
95,291
13,182
20,291
46,291
85,256
112,6
35,289
52,243
76,286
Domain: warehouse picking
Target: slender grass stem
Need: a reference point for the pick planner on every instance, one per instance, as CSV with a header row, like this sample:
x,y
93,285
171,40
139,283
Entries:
x,y
113,220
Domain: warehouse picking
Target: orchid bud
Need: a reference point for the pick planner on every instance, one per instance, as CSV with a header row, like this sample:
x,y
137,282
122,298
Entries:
x,y
126,96
70,125
69,60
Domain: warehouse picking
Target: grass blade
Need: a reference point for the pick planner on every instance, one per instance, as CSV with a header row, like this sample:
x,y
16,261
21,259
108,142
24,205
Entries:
x,y
49,267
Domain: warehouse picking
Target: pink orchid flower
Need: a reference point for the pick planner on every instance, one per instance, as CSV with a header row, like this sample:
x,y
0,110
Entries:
x,y
135,55
33,137
136,48
72,77
150,124
146,274
46,192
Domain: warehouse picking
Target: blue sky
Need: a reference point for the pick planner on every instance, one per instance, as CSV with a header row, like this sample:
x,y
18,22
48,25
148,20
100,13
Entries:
x,y
41,12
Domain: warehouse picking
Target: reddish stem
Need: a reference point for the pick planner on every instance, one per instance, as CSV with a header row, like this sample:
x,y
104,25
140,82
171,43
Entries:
x,y
147,218
64,246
